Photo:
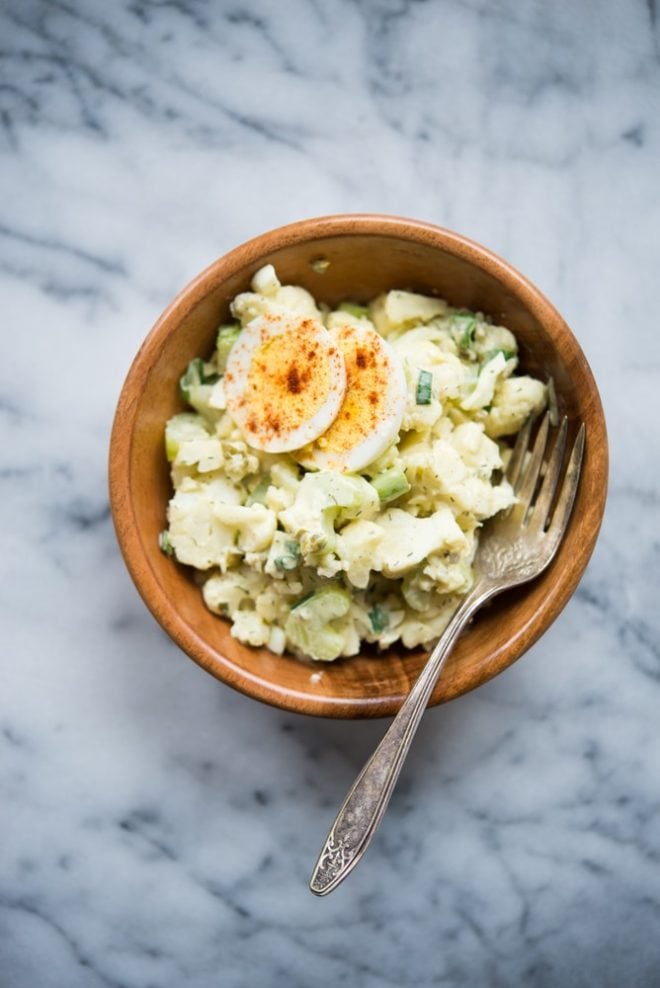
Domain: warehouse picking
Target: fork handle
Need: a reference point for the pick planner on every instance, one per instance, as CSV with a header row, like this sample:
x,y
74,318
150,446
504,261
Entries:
x,y
367,800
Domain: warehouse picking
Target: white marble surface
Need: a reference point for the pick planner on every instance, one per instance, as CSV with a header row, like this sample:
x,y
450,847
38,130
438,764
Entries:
x,y
157,829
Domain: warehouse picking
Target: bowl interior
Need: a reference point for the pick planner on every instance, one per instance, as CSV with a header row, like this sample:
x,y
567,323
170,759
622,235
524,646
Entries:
x,y
363,261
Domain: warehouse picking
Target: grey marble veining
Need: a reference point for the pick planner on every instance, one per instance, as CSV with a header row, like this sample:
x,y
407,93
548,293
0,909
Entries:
x,y
157,829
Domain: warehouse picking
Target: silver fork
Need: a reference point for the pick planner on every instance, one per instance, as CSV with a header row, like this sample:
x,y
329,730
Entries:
x,y
514,547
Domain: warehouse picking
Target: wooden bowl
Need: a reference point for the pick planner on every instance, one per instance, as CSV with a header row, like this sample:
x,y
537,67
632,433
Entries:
x,y
367,254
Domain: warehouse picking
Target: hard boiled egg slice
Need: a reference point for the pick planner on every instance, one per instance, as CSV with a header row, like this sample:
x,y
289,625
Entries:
x,y
285,381
371,413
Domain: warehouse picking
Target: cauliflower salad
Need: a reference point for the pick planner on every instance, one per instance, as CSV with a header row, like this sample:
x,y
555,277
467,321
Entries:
x,y
335,466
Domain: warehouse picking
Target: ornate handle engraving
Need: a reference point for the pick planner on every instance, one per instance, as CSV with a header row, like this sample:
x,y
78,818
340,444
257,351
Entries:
x,y
335,858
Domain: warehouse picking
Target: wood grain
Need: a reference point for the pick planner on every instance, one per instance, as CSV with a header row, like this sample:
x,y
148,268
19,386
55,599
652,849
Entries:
x,y
368,254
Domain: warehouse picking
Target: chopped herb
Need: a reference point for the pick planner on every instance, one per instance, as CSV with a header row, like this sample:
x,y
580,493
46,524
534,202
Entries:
x,y
303,600
423,393
165,544
379,618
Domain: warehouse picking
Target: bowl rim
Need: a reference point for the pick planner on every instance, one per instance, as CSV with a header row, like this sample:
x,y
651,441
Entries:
x,y
119,468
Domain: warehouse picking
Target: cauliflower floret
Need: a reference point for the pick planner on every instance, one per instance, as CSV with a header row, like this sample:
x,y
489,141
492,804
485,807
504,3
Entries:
x,y
252,526
272,606
205,454
440,472
285,480
426,627
227,593
339,318
285,474
408,540
356,546
265,281
435,332
239,460
248,628
488,339
397,310
475,448
484,387
515,399
448,574
434,469
322,499
198,536
449,376
288,301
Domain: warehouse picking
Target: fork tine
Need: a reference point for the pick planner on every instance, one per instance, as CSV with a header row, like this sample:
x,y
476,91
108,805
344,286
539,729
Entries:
x,y
530,474
541,508
518,454
568,490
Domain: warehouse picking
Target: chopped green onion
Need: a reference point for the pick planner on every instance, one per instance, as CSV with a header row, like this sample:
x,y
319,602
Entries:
x,y
292,557
391,484
165,544
423,393
379,618
227,336
465,325
303,600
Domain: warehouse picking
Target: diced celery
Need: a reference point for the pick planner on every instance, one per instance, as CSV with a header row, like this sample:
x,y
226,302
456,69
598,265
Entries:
x,y
424,387
308,626
359,311
182,427
391,484
316,642
197,372
324,605
227,336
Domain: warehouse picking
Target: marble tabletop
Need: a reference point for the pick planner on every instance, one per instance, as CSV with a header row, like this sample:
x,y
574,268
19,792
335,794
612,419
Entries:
x,y
158,829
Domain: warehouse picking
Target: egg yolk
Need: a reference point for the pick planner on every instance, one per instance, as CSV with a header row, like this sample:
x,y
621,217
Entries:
x,y
288,381
364,405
